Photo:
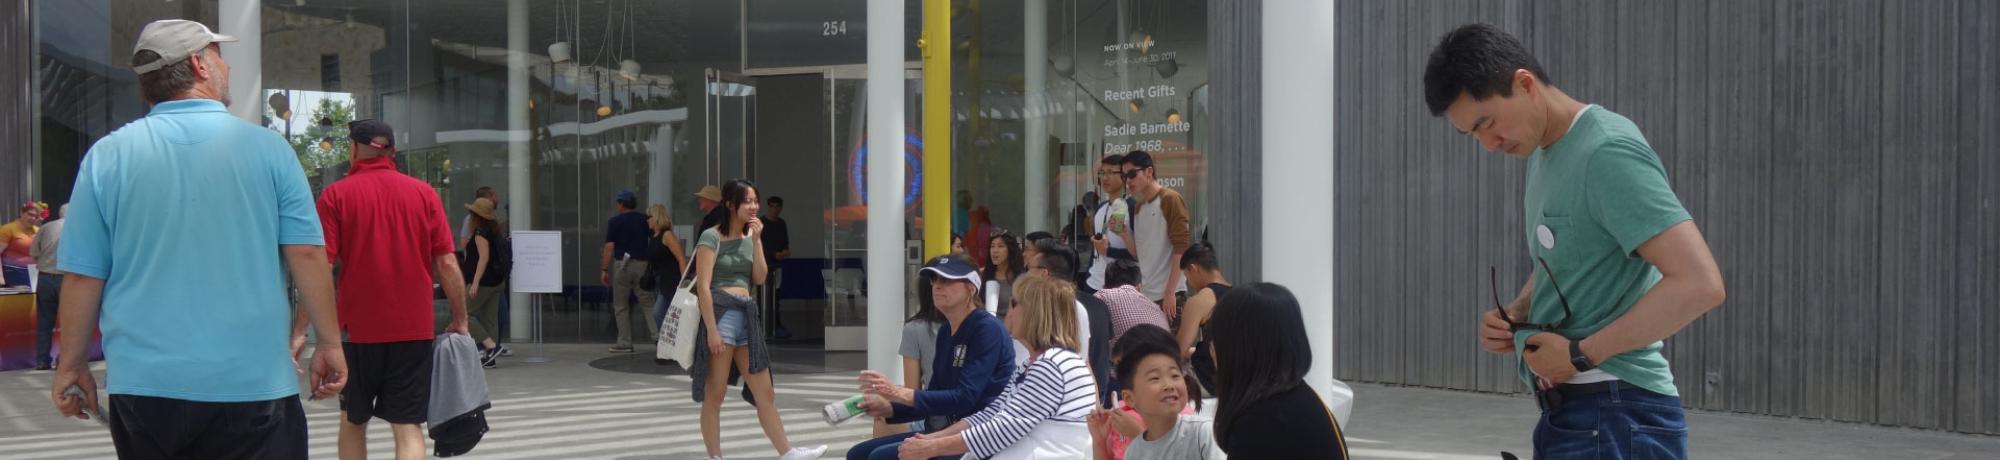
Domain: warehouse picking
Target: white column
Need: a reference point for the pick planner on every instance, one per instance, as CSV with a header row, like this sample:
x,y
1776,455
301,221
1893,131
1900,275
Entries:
x,y
660,167
1124,67
1298,158
1036,166
244,20
520,196
885,186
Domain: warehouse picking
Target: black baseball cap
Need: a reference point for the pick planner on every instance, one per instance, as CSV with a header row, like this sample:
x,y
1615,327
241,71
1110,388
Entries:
x,y
369,131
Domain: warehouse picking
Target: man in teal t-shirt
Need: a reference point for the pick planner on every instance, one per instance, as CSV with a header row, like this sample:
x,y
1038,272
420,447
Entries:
x,y
1619,265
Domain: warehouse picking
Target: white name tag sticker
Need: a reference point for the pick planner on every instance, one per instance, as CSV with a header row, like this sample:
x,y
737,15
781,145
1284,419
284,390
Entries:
x,y
1545,236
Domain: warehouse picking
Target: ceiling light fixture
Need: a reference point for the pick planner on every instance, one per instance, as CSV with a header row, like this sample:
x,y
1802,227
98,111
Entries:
x,y
560,50
629,69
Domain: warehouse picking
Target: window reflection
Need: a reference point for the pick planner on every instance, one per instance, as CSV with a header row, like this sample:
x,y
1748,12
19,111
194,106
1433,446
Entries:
x,y
653,97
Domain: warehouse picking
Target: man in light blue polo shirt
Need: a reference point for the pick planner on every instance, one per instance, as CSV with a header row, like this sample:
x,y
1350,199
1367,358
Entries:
x,y
178,224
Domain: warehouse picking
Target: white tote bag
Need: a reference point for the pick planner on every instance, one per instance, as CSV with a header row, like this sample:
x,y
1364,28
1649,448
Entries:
x,y
678,337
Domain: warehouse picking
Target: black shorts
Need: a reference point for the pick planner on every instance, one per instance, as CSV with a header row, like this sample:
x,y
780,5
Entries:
x,y
390,381
144,427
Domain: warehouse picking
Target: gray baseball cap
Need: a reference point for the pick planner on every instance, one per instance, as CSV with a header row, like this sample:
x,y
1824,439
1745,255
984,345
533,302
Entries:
x,y
175,40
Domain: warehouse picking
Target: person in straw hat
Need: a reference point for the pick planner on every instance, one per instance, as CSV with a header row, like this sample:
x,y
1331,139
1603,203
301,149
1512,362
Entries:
x,y
485,281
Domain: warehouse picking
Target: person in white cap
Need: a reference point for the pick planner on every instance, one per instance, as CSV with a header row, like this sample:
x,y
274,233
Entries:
x,y
194,310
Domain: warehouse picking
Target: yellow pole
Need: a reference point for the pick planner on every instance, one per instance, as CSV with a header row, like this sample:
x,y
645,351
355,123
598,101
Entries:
x,y
936,47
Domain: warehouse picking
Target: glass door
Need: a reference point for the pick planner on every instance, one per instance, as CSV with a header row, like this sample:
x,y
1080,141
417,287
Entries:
x,y
845,272
730,116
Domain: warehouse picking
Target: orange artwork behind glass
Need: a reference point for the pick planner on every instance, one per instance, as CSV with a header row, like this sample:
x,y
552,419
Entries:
x,y
17,333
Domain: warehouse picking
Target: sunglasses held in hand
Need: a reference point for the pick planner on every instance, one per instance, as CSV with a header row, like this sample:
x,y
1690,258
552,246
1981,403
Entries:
x,y
1493,274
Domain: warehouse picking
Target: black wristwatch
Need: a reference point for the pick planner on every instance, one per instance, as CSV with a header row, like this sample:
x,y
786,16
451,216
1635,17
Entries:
x,y
1576,357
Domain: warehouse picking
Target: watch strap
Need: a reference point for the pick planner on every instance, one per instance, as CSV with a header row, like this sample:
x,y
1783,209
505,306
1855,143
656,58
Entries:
x,y
1577,358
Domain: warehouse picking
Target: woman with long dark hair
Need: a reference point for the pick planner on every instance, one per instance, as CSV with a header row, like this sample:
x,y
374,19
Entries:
x,y
1264,409
1004,251
919,348
729,262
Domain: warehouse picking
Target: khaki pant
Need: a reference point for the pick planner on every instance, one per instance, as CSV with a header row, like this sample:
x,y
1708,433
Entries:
x,y
485,313
624,282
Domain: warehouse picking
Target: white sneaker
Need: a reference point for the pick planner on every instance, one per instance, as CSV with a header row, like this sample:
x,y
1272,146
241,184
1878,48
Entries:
x,y
803,454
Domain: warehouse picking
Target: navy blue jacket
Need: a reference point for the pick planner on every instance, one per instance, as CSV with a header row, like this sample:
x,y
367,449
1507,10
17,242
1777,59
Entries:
x,y
970,369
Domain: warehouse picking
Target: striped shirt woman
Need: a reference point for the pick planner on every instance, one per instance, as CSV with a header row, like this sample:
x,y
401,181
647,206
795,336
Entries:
x,y
1042,412
1053,395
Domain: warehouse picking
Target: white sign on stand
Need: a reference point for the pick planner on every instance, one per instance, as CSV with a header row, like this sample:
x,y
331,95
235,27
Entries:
x,y
537,262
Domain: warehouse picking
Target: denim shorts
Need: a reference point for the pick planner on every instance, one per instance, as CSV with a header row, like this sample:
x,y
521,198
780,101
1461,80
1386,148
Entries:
x,y
731,320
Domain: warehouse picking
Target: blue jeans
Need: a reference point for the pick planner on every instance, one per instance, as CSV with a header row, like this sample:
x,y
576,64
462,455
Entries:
x,y
883,448
1616,424
46,307
15,276
660,307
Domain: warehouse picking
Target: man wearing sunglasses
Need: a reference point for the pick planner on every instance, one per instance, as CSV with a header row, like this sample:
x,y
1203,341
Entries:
x,y
1160,232
1601,218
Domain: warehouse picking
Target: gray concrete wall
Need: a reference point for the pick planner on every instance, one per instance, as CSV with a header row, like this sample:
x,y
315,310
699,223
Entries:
x,y
1839,156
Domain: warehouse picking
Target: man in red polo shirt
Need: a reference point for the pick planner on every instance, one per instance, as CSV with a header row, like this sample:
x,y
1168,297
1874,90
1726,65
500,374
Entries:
x,y
386,233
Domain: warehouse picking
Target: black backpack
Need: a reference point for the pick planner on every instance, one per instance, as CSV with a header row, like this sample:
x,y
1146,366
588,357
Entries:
x,y
503,256
500,249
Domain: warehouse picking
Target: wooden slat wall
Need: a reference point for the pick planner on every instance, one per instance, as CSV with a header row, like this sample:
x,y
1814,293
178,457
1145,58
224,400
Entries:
x,y
1840,156
1920,154
1977,210
1235,66
17,122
